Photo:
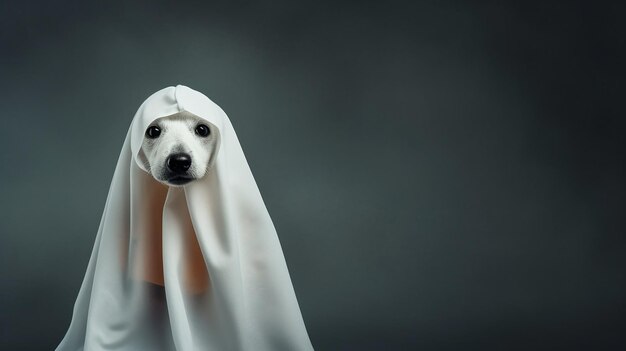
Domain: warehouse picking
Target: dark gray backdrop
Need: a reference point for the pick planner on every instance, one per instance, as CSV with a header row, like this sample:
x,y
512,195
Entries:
x,y
442,175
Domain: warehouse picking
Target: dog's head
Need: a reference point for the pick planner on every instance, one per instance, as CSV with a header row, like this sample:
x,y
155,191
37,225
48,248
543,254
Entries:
x,y
178,149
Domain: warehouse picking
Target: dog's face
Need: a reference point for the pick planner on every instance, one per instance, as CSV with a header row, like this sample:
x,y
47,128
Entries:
x,y
178,149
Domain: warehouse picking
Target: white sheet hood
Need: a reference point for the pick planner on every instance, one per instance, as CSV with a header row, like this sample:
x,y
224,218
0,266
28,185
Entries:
x,y
198,267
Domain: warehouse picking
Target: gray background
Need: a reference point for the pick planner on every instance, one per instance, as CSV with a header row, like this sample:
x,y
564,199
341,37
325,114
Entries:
x,y
442,175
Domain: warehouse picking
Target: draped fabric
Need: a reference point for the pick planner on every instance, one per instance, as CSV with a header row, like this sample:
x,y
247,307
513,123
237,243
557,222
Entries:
x,y
198,267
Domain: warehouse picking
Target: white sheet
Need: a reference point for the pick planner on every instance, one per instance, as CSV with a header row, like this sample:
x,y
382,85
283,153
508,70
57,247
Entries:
x,y
192,268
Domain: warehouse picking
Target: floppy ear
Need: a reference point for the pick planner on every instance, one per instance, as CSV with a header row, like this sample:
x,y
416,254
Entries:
x,y
145,245
143,160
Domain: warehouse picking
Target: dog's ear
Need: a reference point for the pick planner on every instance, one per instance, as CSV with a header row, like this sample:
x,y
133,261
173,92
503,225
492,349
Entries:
x,y
143,160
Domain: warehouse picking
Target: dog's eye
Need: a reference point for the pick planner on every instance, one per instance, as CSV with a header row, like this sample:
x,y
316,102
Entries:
x,y
153,132
202,130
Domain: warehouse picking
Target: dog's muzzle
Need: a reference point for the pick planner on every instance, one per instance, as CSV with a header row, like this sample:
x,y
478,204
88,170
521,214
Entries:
x,y
178,165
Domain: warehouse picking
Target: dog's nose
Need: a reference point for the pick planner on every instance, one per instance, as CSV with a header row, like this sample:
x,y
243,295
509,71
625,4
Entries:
x,y
179,163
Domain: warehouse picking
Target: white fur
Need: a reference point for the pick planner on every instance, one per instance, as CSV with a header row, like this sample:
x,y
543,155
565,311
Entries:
x,y
178,135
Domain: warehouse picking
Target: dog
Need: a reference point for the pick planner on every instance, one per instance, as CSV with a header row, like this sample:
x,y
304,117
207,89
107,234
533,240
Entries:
x,y
178,149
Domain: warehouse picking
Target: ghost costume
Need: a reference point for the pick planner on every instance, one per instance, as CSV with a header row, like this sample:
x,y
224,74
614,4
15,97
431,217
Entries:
x,y
198,267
